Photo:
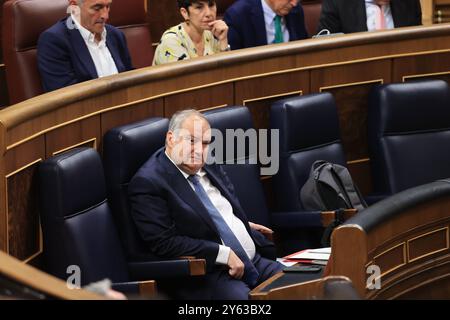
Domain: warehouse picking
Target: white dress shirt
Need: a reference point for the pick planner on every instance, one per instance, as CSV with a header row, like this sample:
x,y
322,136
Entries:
x,y
226,210
100,54
372,15
269,19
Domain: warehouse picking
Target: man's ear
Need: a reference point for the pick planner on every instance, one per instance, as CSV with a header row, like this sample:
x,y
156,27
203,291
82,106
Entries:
x,y
169,138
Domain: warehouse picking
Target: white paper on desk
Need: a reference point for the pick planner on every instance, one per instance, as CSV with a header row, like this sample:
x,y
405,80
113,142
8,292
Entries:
x,y
312,254
286,263
320,250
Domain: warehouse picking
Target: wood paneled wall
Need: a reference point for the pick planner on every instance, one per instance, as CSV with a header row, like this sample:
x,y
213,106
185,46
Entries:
x,y
346,65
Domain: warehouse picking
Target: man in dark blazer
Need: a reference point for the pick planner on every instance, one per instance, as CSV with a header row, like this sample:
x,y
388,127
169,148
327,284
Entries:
x,y
349,16
184,207
250,22
82,47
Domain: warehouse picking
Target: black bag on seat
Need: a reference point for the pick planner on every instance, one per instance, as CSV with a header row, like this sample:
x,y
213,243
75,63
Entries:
x,y
330,187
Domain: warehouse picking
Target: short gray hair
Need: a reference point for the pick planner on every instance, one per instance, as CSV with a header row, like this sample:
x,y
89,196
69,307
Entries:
x,y
177,120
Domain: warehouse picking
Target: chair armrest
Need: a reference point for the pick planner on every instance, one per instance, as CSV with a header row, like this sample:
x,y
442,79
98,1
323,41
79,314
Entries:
x,y
302,219
329,216
167,269
141,288
296,219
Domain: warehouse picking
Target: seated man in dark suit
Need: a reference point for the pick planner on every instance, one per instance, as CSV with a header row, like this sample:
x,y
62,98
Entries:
x,y
82,47
184,207
349,16
254,23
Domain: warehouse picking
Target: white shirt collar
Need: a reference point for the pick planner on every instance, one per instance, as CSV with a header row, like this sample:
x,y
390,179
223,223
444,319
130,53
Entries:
x,y
88,36
200,173
269,14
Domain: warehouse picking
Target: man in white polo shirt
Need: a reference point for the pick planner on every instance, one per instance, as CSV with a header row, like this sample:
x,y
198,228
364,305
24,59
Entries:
x,y
82,46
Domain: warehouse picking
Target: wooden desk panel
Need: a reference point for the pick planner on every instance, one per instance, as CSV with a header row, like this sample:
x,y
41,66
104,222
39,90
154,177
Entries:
x,y
347,66
412,250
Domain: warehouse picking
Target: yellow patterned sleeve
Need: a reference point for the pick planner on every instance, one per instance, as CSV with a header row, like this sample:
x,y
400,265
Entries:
x,y
170,49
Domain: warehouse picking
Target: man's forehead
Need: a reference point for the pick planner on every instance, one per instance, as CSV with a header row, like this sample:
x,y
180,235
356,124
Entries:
x,y
195,122
92,3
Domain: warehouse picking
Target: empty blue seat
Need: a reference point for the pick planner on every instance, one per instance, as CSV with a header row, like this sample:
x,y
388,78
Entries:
x,y
309,131
409,134
80,236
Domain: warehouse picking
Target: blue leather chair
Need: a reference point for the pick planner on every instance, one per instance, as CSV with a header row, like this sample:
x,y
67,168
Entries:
x,y
248,186
126,149
309,131
77,223
409,134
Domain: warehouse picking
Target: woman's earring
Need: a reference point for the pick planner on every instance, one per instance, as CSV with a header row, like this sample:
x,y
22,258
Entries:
x,y
187,21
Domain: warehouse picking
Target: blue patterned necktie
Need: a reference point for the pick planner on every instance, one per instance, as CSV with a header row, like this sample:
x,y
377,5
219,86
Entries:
x,y
251,275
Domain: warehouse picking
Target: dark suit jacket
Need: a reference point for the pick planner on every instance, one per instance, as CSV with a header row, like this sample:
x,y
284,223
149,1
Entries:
x,y
64,59
349,16
245,19
169,216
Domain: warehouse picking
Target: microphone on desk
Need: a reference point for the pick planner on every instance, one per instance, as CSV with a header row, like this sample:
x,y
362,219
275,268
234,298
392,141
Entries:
x,y
326,33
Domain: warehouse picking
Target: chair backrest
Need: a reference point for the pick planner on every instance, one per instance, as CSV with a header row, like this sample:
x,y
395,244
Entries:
x,y
125,150
312,10
222,6
77,223
162,15
23,22
131,17
309,131
409,134
245,177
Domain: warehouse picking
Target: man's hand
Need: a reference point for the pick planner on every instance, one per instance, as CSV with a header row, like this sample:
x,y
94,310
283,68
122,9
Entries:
x,y
220,31
260,228
236,266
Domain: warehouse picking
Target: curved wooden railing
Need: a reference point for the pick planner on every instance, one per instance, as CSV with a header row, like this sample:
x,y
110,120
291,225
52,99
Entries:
x,y
345,65
400,247
25,276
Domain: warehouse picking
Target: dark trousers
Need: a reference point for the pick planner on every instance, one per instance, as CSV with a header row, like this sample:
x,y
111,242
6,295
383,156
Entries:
x,y
219,285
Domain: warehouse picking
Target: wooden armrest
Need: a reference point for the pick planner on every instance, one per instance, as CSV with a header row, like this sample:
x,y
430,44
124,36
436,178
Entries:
x,y
329,216
147,288
197,267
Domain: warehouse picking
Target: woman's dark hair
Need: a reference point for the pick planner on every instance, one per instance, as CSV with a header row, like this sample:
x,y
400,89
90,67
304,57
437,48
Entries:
x,y
187,3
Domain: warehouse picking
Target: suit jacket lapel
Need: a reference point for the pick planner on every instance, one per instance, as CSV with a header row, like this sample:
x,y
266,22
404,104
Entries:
x,y
290,20
397,8
114,50
259,25
359,12
184,190
83,52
